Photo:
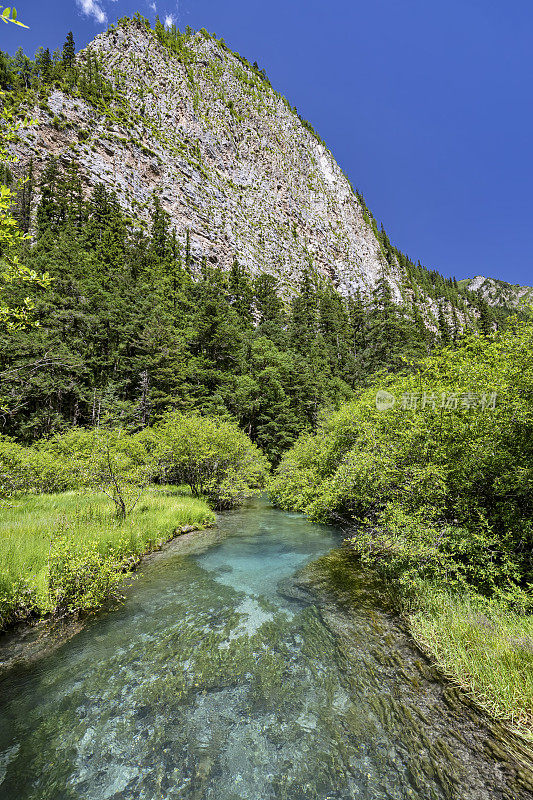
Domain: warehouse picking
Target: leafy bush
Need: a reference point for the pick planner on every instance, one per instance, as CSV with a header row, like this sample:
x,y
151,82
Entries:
x,y
17,600
80,575
212,456
448,492
409,551
108,460
25,469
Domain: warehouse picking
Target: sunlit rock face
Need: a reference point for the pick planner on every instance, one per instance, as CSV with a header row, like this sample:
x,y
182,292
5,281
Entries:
x,y
228,157
500,293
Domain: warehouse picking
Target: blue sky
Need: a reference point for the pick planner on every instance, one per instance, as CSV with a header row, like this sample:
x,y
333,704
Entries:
x,y
426,105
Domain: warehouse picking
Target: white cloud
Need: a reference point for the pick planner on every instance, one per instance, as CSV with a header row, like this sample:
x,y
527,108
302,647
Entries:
x,y
153,7
170,19
93,8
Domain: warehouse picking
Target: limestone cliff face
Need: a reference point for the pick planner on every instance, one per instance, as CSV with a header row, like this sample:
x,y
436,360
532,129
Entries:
x,y
230,160
500,293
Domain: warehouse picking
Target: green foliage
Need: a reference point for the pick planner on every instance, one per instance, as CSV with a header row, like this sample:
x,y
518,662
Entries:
x,y
175,41
27,80
105,460
69,50
10,15
25,469
80,576
422,285
88,77
213,457
133,326
482,646
12,272
434,493
409,551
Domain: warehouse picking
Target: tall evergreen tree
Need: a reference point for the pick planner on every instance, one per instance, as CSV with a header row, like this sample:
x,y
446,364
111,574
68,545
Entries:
x,y
44,64
160,231
240,293
303,320
24,200
23,68
486,318
69,50
444,328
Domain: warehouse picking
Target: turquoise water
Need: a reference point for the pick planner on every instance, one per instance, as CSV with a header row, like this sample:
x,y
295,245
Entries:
x,y
250,662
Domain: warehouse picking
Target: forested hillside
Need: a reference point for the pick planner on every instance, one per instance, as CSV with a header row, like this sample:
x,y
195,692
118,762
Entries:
x,y
132,325
138,319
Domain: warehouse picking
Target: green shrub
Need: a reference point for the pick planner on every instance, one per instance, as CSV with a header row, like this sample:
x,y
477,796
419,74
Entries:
x,y
80,575
449,491
212,456
25,469
107,460
408,551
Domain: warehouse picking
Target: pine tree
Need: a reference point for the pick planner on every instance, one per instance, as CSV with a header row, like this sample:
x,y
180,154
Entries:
x,y
188,259
5,72
69,50
23,68
456,328
304,315
270,310
333,326
160,230
48,212
44,64
106,231
486,317
24,201
444,328
357,315
241,293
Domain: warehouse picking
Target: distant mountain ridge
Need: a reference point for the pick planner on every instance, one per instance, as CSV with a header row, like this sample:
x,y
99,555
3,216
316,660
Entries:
x,y
500,293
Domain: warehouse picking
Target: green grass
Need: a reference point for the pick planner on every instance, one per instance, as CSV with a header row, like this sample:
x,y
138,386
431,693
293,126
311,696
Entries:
x,y
36,529
484,648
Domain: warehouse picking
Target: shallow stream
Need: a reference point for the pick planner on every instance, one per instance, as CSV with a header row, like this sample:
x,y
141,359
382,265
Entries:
x,y
249,662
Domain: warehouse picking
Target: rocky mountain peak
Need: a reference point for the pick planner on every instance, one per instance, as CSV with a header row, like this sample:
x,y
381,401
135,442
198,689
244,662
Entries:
x,y
229,159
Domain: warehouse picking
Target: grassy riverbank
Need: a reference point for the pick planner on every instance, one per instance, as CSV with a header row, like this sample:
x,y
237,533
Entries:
x,y
483,647
67,552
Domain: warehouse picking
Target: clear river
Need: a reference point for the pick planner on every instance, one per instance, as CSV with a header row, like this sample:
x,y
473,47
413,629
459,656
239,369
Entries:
x,y
252,661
